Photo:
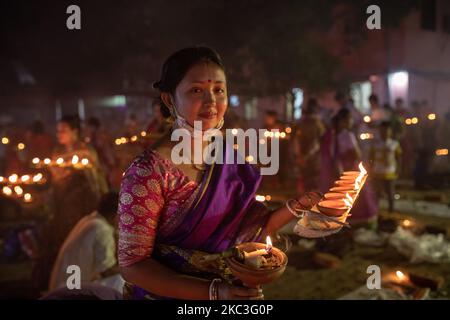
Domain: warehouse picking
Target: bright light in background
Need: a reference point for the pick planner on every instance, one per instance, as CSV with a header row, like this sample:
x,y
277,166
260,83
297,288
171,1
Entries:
x,y
260,198
360,92
367,119
400,78
298,101
442,152
234,101
114,101
366,136
398,85
432,116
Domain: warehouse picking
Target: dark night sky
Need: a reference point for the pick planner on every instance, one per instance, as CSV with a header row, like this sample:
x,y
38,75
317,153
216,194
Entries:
x,y
127,41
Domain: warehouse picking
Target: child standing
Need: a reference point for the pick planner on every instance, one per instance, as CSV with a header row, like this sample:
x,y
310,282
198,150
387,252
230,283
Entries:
x,y
385,158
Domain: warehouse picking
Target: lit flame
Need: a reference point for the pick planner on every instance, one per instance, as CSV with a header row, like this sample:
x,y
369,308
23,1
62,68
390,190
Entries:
x,y
7,191
442,152
260,198
25,178
18,190
27,197
47,161
75,159
21,146
358,182
367,119
362,169
400,275
349,198
432,116
268,197
234,132
37,177
1,179
143,133
347,203
118,141
84,162
13,178
288,130
134,138
406,223
59,161
36,160
5,140
268,244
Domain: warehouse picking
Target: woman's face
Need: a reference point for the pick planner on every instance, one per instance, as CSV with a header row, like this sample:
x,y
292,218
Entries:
x,y
202,95
65,134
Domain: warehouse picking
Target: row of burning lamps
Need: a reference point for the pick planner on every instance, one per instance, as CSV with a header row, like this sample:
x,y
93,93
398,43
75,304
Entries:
x,y
13,185
368,136
75,162
124,140
267,134
20,146
408,121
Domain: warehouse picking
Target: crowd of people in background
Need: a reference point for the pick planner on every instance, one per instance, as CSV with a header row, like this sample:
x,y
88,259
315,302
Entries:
x,y
320,145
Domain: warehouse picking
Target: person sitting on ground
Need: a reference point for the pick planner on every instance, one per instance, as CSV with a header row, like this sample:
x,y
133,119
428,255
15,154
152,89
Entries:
x,y
91,245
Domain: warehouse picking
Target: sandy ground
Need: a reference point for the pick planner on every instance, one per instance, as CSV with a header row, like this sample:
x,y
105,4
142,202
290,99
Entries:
x,y
303,279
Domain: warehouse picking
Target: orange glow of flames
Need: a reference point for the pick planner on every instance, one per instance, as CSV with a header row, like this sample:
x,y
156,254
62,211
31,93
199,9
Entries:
x,y
400,275
268,244
358,182
347,203
362,169
349,198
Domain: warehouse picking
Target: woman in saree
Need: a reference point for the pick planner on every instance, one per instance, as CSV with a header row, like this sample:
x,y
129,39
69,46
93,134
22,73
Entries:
x,y
75,193
340,152
173,216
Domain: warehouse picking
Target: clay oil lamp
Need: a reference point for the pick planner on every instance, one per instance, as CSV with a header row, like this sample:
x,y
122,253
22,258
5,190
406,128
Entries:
x,y
332,196
257,263
334,208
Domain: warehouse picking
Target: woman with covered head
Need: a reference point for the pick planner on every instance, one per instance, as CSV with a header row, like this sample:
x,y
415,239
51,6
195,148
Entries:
x,y
172,215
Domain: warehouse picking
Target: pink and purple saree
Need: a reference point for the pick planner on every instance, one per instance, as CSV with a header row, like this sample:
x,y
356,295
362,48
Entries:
x,y
166,216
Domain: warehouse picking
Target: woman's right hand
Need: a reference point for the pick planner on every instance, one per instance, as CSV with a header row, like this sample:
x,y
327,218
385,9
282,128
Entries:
x,y
231,292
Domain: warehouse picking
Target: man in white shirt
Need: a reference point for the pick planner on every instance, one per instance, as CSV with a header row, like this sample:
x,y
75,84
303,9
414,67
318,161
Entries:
x,y
91,246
